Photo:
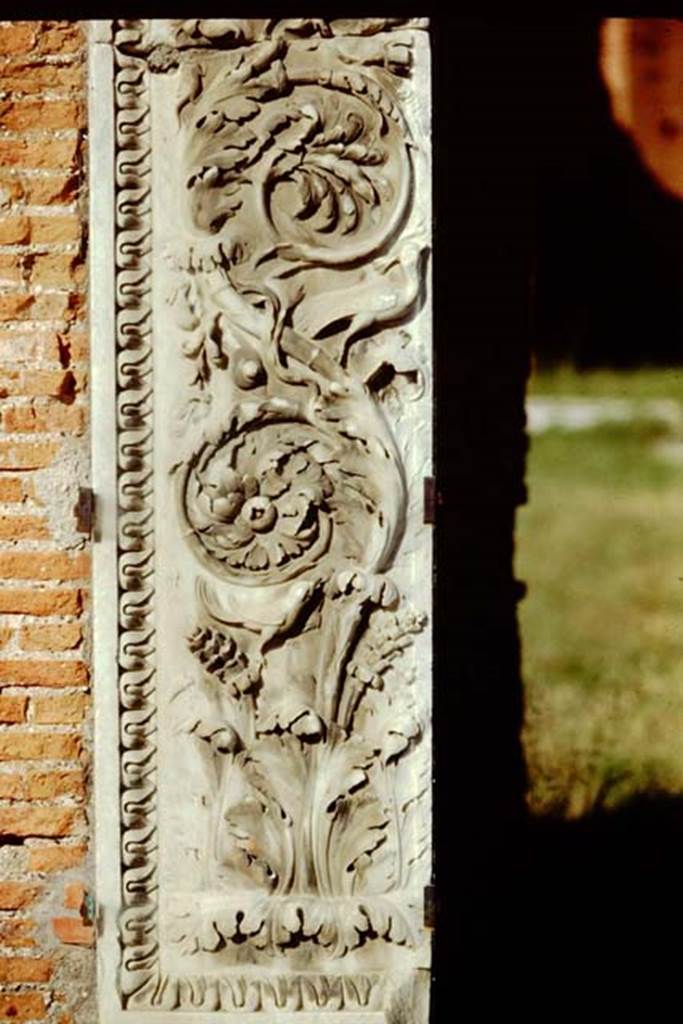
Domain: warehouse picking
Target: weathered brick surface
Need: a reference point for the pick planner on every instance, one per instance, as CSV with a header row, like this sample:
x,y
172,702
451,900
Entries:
x,y
23,528
17,933
73,931
11,269
50,189
43,419
69,709
14,230
58,270
52,637
27,672
44,746
22,1006
14,969
43,154
17,895
44,563
18,38
52,601
37,785
36,115
11,489
62,384
74,895
48,306
22,820
24,78
50,859
27,454
12,710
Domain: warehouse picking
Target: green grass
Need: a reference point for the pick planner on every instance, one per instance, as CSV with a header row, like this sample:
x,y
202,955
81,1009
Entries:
x,y
635,384
600,545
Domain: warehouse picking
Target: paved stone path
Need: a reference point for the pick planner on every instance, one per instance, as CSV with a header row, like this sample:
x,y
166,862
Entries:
x,y
583,413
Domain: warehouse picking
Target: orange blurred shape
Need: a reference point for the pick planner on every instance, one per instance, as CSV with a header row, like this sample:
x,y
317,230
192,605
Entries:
x,y
641,60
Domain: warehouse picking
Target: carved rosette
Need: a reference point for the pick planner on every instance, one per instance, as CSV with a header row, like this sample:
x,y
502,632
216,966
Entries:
x,y
298,265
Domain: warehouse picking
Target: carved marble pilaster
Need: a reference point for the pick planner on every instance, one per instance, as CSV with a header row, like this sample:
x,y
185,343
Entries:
x,y
272,362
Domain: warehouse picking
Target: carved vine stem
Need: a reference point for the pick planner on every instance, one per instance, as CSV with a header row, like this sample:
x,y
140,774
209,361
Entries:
x,y
292,273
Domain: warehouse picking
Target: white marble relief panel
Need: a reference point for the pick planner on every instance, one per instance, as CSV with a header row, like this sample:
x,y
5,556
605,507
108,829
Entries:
x,y
272,196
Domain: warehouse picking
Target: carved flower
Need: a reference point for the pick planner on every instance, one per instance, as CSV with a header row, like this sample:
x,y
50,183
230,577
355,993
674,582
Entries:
x,y
262,514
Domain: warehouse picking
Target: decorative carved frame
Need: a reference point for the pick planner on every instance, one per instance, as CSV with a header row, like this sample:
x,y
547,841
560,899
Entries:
x,y
133,987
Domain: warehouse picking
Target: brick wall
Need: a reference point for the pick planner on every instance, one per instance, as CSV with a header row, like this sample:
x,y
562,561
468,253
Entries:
x,y
46,959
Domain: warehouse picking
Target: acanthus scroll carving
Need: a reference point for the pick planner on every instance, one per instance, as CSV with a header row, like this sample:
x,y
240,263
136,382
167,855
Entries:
x,y
298,181
297,269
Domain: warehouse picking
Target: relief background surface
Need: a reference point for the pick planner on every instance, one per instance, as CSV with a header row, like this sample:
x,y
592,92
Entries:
x,y
274,353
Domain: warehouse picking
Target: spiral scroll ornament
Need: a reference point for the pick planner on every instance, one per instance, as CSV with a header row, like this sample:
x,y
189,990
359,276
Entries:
x,y
324,171
294,261
135,496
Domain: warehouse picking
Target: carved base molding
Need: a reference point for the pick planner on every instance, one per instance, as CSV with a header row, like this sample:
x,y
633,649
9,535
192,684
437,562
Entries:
x,y
272,380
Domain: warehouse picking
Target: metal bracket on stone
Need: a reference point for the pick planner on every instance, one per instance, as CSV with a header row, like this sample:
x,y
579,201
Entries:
x,y
84,510
431,500
429,906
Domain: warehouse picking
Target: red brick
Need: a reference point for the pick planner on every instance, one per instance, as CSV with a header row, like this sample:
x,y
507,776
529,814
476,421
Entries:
x,y
46,822
12,786
67,710
45,419
78,346
11,189
46,154
74,895
18,306
12,710
39,345
62,636
62,384
72,931
10,489
55,858
23,528
50,188
19,37
23,746
22,1006
43,565
26,672
17,895
59,601
39,785
17,932
61,38
17,969
58,270
27,454
14,230
39,115
22,76
60,229
11,268
15,305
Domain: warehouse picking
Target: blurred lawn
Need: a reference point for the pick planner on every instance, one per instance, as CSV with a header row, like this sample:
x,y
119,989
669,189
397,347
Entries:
x,y
645,383
600,546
